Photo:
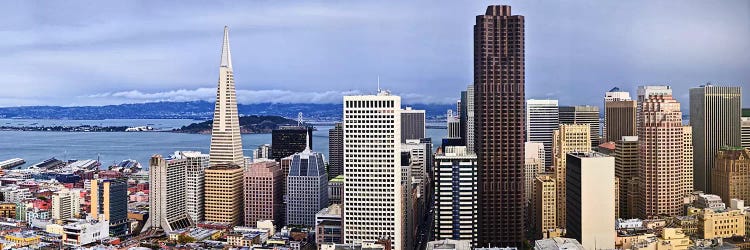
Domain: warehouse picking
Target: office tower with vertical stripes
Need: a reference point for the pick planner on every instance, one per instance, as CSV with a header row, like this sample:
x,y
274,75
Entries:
x,y
336,151
567,139
583,115
412,124
167,194
455,189
542,117
619,115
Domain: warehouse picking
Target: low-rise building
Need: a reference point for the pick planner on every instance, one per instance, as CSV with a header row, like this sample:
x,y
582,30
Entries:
x,y
82,232
721,224
449,245
558,244
23,239
336,190
329,225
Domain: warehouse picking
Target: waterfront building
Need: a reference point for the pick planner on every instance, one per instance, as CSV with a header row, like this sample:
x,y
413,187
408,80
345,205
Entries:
x,y
542,118
661,144
262,152
499,80
626,170
590,189
619,115
226,142
582,115
263,193
534,164
544,204
455,189
167,194
223,194
196,164
288,140
336,150
373,196
715,113
109,201
336,190
307,188
412,124
66,204
731,174
568,138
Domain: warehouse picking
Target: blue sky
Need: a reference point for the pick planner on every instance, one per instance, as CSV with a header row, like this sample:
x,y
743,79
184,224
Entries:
x,y
107,52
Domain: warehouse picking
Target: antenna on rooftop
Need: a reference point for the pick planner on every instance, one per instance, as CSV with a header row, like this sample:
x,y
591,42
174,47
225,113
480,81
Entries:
x,y
378,83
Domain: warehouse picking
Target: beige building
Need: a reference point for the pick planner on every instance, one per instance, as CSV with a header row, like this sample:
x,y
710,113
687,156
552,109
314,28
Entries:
x,y
721,224
568,138
619,119
224,194
745,133
731,174
226,141
534,165
545,204
626,170
687,160
669,239
590,178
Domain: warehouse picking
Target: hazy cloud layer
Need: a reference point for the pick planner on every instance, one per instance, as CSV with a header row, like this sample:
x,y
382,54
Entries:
x,y
75,52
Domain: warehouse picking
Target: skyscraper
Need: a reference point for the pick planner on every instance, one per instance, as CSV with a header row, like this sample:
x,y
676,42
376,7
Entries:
x,y
626,169
373,197
660,133
715,117
619,115
468,124
263,193
583,115
307,188
196,164
687,160
568,138
167,197
288,140
542,117
590,202
745,133
226,142
453,124
109,201
544,204
499,79
534,164
262,152
455,191
412,124
336,151
731,174
223,189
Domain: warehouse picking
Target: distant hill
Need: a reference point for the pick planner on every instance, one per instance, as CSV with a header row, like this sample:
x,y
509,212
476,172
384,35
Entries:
x,y
248,125
192,110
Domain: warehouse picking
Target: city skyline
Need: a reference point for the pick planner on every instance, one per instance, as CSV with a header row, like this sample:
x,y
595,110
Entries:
x,y
64,58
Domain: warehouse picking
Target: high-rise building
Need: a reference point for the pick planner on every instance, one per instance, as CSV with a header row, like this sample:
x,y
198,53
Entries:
x,y
615,94
534,164
336,190
373,199
745,133
262,152
568,138
453,124
590,192
541,119
223,194
307,188
620,119
288,140
455,189
109,201
66,204
336,151
420,160
226,142
167,194
731,174
626,169
661,142
715,117
582,115
544,204
196,164
412,124
687,160
263,193
500,123
468,123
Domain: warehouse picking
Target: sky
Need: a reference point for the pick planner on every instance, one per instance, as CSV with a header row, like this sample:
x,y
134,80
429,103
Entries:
x,y
73,53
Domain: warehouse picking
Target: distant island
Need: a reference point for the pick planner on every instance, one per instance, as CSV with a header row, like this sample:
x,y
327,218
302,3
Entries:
x,y
252,124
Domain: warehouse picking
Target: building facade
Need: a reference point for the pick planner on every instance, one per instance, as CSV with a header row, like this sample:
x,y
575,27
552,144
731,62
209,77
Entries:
x,y
66,204
542,118
307,188
590,178
373,203
223,194
534,164
196,164
499,80
544,205
109,201
412,124
336,190
568,138
731,174
626,170
583,115
467,124
745,133
288,140
336,150
263,193
455,189
226,142
167,194
715,113
619,119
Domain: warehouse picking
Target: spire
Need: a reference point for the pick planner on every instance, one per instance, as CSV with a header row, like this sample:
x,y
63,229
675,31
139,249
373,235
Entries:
x,y
226,56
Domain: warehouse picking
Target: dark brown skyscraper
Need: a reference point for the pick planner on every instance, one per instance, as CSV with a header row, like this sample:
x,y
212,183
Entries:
x,y
500,125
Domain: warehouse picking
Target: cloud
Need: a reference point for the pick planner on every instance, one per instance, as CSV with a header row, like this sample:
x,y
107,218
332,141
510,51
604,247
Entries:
x,y
246,96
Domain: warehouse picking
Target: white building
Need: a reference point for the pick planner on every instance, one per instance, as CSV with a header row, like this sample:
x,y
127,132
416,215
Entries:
x,y
373,203
533,165
196,164
456,187
167,194
469,124
84,232
226,141
307,188
262,152
420,158
542,117
15,194
590,188
66,204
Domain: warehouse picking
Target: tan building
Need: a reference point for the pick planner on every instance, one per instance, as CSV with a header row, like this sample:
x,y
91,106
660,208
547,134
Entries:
x,y
722,224
660,133
545,204
687,160
626,170
568,138
223,194
226,141
669,239
590,178
8,210
731,174
620,119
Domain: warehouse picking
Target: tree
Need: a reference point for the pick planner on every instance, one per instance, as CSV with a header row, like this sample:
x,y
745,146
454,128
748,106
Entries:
x,y
184,239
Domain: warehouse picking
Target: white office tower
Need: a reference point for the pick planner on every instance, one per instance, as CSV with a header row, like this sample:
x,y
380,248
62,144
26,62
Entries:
x,y
542,117
456,195
469,119
373,198
262,152
533,165
226,142
616,95
590,188
197,163
66,204
420,158
167,194
307,188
